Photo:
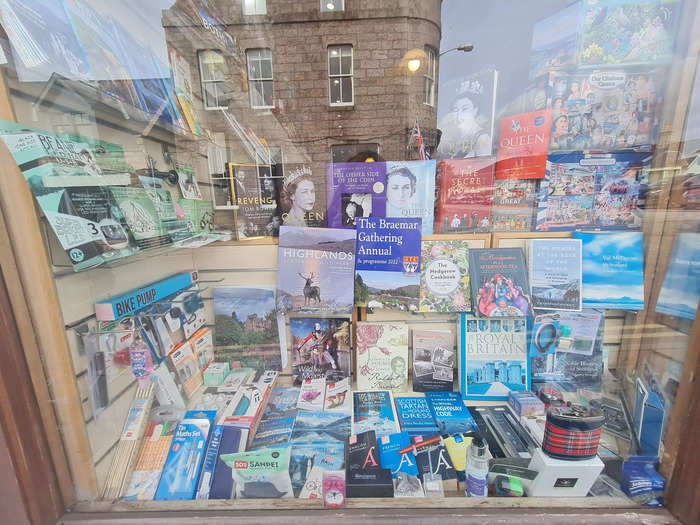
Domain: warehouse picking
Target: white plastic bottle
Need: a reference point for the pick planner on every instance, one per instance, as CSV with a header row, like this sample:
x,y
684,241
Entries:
x,y
477,469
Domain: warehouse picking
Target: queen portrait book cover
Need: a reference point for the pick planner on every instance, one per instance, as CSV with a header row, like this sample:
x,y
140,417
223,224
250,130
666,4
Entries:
x,y
499,282
316,268
303,196
387,270
493,357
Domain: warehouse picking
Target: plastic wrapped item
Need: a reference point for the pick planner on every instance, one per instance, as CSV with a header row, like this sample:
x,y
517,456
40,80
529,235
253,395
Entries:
x,y
641,482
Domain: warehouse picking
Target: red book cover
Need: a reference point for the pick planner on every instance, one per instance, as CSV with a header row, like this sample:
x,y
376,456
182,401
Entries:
x,y
465,194
523,145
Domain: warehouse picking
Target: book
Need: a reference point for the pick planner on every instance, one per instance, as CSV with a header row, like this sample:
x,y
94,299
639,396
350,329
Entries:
x,y
626,32
308,462
523,145
260,473
387,266
556,40
681,285
555,273
312,394
597,190
613,270
282,403
434,460
338,396
233,440
433,360
493,357
399,189
449,412
465,195
444,277
382,356
255,192
246,328
303,196
499,282
316,269
606,109
389,456
364,475
320,348
186,456
466,113
514,205
320,427
567,370
414,416
374,410
273,432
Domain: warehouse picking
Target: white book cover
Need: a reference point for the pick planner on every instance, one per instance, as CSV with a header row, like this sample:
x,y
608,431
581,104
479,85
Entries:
x,y
312,394
555,274
338,397
382,356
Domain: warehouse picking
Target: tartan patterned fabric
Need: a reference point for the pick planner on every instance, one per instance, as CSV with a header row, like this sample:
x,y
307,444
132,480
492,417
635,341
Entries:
x,y
563,443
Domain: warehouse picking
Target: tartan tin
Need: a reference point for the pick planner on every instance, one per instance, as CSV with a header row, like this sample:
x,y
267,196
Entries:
x,y
572,432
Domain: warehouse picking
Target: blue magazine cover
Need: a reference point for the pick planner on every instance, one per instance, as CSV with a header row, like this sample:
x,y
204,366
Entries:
x,y
681,288
555,40
390,458
450,413
374,410
387,267
414,416
493,357
613,270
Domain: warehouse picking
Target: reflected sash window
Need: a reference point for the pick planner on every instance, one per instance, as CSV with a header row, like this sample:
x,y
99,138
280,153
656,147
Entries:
x,y
254,7
330,6
260,78
340,83
213,70
429,77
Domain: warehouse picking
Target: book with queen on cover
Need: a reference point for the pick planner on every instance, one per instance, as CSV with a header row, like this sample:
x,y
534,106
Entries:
x,y
387,269
499,282
316,267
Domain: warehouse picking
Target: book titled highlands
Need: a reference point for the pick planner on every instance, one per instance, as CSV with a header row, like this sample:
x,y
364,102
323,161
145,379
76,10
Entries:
x,y
555,273
398,189
499,282
613,270
387,269
465,195
493,357
449,412
444,277
316,267
414,416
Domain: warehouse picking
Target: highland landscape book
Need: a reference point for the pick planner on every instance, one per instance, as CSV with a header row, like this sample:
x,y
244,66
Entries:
x,y
382,356
387,269
316,269
374,410
320,348
444,277
247,328
613,270
555,273
433,360
493,357
499,282
465,195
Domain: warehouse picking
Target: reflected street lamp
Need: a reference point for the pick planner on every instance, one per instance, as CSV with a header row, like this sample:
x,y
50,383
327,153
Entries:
x,y
466,48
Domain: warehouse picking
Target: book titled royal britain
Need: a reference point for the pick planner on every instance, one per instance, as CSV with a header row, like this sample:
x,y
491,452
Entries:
x,y
523,145
387,270
465,194
499,282
316,267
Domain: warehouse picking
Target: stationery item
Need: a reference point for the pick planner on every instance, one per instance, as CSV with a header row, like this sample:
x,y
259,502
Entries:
x,y
457,447
215,374
333,489
233,440
185,365
309,461
236,378
203,347
503,432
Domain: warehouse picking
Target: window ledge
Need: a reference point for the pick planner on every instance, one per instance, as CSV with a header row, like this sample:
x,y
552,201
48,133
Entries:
x,y
341,107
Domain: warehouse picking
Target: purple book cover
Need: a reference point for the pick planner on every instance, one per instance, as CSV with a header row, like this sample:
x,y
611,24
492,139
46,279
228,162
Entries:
x,y
355,189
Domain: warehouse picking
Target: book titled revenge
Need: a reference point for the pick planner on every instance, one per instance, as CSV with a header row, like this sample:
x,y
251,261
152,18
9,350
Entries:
x,y
387,269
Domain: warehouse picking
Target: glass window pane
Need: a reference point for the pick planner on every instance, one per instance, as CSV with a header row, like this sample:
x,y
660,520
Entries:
x,y
256,97
254,69
334,64
346,65
347,89
335,90
210,95
267,93
346,51
266,68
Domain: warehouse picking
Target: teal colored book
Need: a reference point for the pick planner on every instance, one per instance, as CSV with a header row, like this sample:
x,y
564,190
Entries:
x,y
415,417
390,458
449,412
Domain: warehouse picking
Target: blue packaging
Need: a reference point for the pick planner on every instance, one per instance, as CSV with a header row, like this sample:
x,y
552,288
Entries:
x,y
641,482
207,475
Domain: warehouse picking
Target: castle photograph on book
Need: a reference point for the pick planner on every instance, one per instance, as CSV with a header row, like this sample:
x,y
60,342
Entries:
x,y
316,267
320,348
247,328
493,358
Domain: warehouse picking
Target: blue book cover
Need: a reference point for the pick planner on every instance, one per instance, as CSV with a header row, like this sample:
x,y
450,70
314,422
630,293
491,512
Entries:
x,y
613,270
414,416
493,357
555,40
555,273
374,410
273,432
233,440
681,288
449,412
282,403
390,458
387,266
499,282
320,427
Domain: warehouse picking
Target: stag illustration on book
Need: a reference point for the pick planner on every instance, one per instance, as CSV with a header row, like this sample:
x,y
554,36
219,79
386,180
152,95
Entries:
x,y
310,291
